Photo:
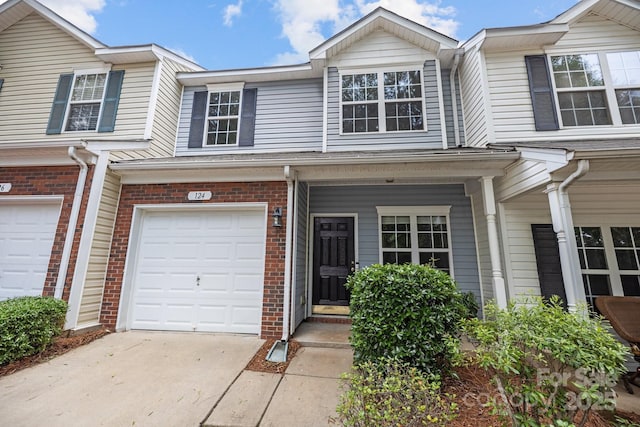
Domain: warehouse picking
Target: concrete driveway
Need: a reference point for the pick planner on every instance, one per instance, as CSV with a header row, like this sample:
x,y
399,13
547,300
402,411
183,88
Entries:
x,y
128,379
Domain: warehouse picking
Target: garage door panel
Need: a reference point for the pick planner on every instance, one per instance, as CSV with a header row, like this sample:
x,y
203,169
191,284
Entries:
x,y
27,232
225,249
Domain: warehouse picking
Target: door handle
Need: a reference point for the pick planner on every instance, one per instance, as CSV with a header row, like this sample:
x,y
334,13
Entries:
x,y
197,280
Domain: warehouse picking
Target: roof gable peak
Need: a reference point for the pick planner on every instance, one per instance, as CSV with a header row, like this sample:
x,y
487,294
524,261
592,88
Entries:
x,y
383,19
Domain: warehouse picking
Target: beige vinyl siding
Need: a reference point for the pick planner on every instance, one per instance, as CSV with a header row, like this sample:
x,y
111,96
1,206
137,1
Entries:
x,y
33,54
509,87
592,204
380,48
91,301
521,177
596,33
473,102
165,121
520,258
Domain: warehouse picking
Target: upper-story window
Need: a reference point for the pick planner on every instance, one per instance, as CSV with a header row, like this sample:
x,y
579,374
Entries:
x,y
382,101
222,117
85,102
597,88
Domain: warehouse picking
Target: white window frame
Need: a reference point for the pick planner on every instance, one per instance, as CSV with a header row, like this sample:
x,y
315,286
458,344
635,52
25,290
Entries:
x,y
381,101
413,212
216,88
612,270
608,88
76,74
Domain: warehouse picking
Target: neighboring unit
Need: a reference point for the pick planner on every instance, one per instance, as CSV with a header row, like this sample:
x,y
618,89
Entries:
x,y
69,105
566,96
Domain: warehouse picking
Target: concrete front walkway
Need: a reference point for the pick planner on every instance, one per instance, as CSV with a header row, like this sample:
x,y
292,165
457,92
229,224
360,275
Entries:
x,y
306,395
128,379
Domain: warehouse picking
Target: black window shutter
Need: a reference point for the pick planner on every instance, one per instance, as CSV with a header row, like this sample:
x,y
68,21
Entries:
x,y
111,100
248,117
198,113
59,107
1,83
545,244
542,98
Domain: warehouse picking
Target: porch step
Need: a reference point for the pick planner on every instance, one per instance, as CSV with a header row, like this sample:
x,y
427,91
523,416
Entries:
x,y
321,334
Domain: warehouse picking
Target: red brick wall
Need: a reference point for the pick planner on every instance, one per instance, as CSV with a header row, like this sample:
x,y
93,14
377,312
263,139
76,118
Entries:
x,y
273,193
52,181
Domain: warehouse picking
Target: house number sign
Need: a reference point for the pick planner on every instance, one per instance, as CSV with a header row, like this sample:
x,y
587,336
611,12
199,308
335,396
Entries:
x,y
199,195
5,187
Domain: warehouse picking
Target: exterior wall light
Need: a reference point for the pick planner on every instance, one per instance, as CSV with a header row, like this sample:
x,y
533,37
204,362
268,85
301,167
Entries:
x,y
277,217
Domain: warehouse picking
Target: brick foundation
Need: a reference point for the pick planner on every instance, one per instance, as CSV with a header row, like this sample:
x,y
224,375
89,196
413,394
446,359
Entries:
x,y
52,181
273,193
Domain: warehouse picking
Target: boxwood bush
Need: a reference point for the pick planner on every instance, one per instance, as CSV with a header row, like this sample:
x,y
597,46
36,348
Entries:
x,y
28,325
410,313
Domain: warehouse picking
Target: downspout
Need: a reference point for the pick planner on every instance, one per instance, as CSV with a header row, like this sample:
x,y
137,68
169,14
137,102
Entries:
x,y
454,98
576,293
286,303
73,221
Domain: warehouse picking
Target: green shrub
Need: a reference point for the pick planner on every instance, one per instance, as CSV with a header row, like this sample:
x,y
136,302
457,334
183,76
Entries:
x,y
28,325
551,367
406,312
389,393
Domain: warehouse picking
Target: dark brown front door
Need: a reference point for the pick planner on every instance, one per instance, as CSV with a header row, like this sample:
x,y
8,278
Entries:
x,y
333,261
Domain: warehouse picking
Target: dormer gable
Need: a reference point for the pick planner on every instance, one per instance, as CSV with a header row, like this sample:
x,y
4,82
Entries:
x,y
387,31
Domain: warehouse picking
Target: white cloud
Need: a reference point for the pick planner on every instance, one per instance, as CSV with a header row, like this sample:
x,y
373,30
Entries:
x,y
303,21
79,12
231,11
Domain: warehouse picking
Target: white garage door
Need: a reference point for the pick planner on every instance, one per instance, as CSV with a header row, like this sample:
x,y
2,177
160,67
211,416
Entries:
x,y
27,231
200,271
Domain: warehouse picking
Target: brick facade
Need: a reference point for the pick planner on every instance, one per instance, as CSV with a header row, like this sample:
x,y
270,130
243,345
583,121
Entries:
x,y
52,181
273,193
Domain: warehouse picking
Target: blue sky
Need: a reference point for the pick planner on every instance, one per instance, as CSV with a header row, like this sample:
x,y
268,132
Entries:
x,y
225,34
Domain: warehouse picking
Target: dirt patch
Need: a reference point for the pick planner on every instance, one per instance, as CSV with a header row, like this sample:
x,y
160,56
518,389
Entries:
x,y
60,345
260,364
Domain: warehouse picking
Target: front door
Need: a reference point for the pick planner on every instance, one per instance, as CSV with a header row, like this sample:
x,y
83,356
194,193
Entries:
x,y
333,261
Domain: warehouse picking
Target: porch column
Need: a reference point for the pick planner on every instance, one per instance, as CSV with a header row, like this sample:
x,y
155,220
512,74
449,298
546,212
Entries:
x,y
562,220
497,278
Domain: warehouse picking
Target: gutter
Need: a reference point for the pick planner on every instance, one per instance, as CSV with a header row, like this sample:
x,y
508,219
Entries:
x,y
454,98
452,155
290,177
73,221
567,224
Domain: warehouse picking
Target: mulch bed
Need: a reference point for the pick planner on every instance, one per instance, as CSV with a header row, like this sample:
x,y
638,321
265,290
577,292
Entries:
x,y
260,364
472,388
60,345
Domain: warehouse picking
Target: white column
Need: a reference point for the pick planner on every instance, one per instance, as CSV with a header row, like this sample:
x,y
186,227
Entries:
x,y
497,278
562,220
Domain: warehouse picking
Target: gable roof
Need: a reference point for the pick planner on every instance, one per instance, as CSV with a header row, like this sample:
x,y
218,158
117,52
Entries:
x,y
14,10
390,22
624,12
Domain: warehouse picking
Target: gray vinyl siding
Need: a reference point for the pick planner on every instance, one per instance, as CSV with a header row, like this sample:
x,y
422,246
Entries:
x,y
299,304
288,118
362,200
448,109
431,139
